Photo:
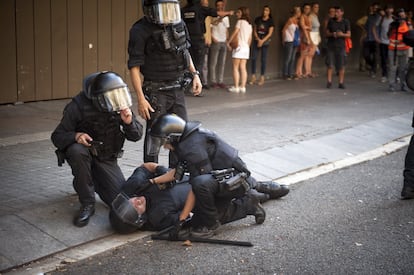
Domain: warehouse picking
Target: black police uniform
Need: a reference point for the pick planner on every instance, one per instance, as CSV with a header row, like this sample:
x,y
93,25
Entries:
x,y
164,207
408,188
96,168
194,16
203,151
162,54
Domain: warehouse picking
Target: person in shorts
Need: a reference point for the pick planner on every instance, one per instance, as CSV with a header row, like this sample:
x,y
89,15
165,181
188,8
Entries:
x,y
337,31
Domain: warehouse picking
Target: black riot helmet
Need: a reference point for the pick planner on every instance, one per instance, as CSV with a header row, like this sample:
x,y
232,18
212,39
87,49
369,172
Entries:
x,y
123,217
162,12
168,128
108,91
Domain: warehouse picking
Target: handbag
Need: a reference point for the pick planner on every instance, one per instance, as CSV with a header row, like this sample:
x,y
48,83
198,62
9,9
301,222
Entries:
x,y
296,37
234,43
348,44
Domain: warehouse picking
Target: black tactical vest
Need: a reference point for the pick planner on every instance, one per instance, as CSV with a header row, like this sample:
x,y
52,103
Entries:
x,y
204,151
101,126
166,53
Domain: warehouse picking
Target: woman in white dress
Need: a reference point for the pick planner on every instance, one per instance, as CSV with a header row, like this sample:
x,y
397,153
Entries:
x,y
243,30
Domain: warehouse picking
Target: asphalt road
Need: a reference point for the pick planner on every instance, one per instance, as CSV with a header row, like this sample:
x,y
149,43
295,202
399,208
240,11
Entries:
x,y
350,221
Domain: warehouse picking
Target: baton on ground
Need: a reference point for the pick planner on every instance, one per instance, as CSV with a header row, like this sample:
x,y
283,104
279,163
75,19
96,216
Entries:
x,y
159,236
202,240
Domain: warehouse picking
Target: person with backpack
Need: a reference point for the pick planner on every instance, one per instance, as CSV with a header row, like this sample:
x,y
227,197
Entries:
x,y
337,30
398,51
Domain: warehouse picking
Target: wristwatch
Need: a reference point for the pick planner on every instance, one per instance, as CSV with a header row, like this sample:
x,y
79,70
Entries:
x,y
195,73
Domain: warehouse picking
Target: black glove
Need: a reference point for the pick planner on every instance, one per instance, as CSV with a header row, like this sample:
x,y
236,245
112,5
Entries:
x,y
175,230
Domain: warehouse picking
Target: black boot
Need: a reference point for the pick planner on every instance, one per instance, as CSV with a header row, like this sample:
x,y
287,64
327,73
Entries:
x,y
86,211
261,196
254,207
407,193
272,188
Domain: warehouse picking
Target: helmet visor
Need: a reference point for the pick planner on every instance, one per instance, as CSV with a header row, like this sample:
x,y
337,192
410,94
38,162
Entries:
x,y
164,13
117,99
154,144
126,211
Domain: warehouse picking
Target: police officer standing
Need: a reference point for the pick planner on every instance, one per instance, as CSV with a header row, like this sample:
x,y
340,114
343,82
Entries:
x,y
194,15
408,187
90,137
200,152
158,49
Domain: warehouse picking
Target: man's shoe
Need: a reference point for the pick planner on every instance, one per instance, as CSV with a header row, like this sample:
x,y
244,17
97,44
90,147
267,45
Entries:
x,y
222,86
254,207
262,197
272,188
85,212
204,231
215,86
407,193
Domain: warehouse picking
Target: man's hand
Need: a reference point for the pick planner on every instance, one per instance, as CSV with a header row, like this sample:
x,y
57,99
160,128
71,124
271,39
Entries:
x,y
174,232
197,86
145,109
126,115
84,139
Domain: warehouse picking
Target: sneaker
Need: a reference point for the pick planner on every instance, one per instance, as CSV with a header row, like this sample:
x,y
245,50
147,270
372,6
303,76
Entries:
x,y
242,89
233,89
329,85
383,79
341,86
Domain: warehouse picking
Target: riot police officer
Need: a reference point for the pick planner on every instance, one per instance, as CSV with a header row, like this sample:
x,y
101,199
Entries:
x,y
147,206
90,137
158,49
200,152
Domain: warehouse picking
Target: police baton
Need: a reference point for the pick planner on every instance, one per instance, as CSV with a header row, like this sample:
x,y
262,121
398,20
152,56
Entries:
x,y
161,236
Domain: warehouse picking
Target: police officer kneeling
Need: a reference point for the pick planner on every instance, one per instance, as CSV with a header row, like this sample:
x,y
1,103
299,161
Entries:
x,y
201,152
90,137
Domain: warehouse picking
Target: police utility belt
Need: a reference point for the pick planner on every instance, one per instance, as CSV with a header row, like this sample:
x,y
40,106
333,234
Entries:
x,y
231,179
163,86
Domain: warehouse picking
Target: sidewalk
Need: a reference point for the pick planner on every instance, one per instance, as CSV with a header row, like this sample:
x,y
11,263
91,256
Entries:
x,y
37,202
